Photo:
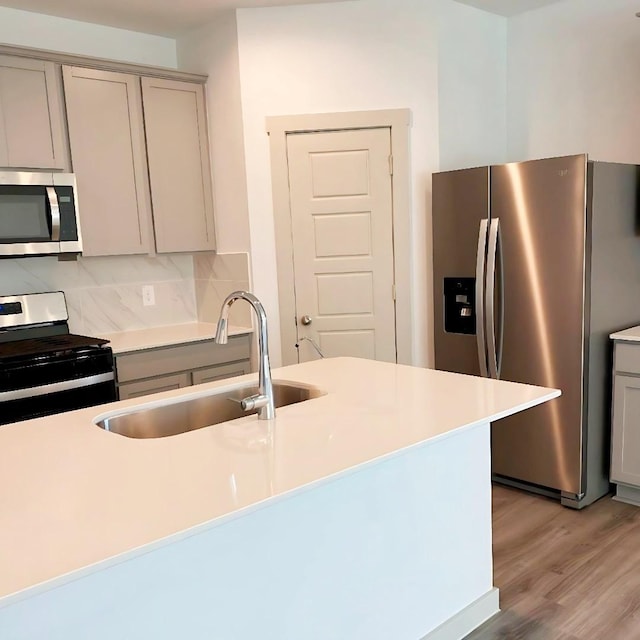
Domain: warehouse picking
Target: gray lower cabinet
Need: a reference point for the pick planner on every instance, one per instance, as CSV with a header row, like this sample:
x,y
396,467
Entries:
x,y
153,385
154,370
625,442
211,374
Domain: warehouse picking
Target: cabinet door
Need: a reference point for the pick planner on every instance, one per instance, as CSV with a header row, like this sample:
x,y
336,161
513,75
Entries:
x,y
625,458
31,115
153,385
221,372
179,169
138,365
106,133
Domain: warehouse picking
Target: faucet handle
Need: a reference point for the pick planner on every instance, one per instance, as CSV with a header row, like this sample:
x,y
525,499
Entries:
x,y
256,401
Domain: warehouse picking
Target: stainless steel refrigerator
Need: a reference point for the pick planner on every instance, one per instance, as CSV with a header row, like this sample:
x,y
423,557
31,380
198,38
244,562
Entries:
x,y
535,263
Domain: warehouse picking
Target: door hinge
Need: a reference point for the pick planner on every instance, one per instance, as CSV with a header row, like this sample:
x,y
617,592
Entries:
x,y
393,292
390,165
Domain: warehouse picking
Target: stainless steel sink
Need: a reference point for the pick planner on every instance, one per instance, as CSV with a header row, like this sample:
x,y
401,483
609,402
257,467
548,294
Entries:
x,y
179,417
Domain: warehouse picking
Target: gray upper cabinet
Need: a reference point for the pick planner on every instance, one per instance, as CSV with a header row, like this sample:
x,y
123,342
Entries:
x,y
179,169
140,153
31,115
106,133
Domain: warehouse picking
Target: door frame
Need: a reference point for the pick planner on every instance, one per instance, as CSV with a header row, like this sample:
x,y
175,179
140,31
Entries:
x,y
398,121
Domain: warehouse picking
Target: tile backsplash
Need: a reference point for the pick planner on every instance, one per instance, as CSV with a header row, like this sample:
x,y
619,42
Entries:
x,y
105,294
216,276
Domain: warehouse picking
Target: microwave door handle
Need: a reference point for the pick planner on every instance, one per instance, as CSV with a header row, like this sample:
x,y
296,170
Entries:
x,y
55,214
481,261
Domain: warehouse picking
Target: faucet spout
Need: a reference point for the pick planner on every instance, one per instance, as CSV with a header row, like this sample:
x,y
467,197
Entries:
x,y
264,401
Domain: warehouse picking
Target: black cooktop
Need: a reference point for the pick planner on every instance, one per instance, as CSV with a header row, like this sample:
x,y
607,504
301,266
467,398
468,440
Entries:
x,y
47,344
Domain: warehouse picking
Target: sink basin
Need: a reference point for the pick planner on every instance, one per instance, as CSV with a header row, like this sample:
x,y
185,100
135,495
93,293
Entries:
x,y
180,417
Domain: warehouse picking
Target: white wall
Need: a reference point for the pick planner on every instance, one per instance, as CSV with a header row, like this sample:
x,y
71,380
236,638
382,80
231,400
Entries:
x,y
27,29
472,87
213,50
366,55
574,81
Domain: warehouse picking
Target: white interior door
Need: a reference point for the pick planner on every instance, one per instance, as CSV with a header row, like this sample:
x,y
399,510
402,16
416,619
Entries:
x,y
342,234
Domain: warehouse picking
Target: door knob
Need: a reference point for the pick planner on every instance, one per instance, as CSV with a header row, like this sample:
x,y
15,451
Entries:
x,y
305,320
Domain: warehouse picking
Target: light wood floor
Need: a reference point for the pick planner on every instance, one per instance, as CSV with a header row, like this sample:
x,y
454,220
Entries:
x,y
564,574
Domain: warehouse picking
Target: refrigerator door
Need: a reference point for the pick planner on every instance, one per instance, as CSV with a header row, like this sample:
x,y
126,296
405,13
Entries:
x,y
541,206
460,205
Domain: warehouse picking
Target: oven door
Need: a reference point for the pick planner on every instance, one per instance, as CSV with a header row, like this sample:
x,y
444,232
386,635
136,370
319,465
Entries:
x,y
67,395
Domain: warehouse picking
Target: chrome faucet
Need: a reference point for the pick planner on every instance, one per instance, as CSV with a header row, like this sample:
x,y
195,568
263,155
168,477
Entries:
x,y
263,401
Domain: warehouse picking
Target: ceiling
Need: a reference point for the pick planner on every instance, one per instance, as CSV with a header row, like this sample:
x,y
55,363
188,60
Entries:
x,y
509,7
173,17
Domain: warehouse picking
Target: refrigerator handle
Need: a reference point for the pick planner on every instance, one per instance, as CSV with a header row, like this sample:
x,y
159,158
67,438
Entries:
x,y
481,261
494,254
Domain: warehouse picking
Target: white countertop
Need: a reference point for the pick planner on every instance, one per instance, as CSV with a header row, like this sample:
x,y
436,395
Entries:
x,y
75,498
628,335
154,337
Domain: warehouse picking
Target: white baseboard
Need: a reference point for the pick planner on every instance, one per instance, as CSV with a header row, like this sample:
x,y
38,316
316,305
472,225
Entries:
x,y
470,618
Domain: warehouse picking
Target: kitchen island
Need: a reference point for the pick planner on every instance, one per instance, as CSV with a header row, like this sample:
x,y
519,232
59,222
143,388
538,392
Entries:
x,y
363,513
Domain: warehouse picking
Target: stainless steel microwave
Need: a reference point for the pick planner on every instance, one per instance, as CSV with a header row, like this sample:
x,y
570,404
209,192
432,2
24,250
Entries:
x,y
38,214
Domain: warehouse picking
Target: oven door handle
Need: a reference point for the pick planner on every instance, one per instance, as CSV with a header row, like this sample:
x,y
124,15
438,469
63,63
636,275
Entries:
x,y
65,385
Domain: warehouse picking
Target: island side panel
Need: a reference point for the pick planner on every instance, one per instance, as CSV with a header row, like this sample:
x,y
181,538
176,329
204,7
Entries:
x,y
393,550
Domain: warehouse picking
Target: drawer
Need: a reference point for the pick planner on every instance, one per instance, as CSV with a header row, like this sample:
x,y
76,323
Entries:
x,y
627,358
153,385
220,372
184,357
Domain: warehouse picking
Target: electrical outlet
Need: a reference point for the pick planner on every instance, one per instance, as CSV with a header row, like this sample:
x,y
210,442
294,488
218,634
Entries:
x,y
148,295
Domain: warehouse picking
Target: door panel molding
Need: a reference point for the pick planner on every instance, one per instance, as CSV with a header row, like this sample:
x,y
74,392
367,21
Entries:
x,y
278,127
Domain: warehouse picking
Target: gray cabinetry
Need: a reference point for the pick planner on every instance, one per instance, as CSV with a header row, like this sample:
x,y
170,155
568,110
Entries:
x,y
179,170
106,132
153,385
220,372
140,150
31,115
162,369
625,445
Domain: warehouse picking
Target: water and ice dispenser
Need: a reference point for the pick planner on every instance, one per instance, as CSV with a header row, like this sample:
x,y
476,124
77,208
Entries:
x,y
460,305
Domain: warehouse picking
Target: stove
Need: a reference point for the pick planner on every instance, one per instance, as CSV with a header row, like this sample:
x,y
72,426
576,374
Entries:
x,y
45,369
